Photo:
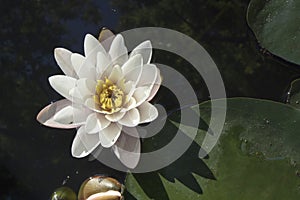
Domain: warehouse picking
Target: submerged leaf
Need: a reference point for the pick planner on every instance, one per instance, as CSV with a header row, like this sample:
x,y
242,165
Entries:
x,y
276,25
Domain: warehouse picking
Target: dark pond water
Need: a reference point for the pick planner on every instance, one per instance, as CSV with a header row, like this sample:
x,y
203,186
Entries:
x,y
34,160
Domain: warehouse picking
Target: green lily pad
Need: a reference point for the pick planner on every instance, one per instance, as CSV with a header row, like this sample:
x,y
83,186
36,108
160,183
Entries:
x,y
256,157
294,94
272,127
276,25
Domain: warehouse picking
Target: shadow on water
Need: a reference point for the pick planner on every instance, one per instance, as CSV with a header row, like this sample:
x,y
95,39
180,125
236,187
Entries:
x,y
183,169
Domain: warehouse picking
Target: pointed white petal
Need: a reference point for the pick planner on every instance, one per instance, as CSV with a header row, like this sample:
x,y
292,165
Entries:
x,y
118,51
63,59
103,61
128,86
134,75
110,134
46,115
128,148
132,63
88,68
148,76
109,195
141,94
129,105
155,87
64,116
106,72
131,118
148,112
95,122
90,103
116,74
92,45
83,143
76,96
62,84
80,113
145,49
115,116
77,61
86,87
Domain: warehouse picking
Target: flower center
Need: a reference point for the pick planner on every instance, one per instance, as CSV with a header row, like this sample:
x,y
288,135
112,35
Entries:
x,y
109,97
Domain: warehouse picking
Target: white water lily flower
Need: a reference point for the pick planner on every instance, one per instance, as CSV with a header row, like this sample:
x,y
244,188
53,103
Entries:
x,y
107,94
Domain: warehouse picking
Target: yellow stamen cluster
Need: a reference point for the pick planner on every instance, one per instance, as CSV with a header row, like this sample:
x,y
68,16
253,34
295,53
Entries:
x,y
109,97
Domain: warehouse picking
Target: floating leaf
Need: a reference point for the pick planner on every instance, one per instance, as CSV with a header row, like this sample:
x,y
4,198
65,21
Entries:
x,y
276,25
273,127
256,157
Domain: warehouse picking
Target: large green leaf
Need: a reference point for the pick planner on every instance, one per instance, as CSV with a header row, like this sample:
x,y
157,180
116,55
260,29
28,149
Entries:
x,y
255,158
276,25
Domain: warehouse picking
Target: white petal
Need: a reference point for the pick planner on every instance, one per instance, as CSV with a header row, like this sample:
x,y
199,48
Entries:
x,y
110,134
76,96
131,118
92,45
148,112
129,105
132,63
141,94
148,76
86,86
106,72
116,74
64,116
80,113
134,75
128,148
90,103
115,116
155,87
102,63
110,194
62,84
63,59
83,143
145,49
46,115
95,122
88,68
118,51
128,86
77,61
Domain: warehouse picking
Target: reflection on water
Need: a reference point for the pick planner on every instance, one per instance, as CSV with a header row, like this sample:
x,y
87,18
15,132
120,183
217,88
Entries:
x,y
34,160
